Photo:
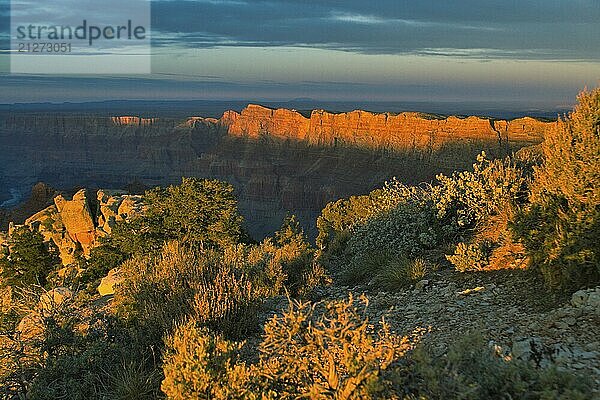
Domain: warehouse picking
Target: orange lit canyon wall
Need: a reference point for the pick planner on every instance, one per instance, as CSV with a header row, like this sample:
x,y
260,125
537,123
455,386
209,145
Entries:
x,y
363,128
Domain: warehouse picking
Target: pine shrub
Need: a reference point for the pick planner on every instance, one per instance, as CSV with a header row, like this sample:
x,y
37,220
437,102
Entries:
x,y
561,227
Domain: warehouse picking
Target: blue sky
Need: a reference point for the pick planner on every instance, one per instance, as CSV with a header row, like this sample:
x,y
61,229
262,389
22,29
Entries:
x,y
537,52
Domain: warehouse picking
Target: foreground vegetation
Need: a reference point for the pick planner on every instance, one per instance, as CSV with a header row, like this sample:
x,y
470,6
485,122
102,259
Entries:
x,y
187,319
530,210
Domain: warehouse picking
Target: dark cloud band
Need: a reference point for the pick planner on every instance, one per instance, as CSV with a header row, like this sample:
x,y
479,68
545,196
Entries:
x,y
530,29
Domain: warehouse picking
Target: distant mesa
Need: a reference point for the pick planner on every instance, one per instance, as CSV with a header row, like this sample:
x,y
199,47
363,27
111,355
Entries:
x,y
196,122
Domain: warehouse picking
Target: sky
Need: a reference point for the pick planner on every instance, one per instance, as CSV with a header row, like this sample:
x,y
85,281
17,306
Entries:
x,y
531,52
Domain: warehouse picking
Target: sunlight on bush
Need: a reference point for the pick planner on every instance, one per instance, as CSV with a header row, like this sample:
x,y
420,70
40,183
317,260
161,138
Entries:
x,y
212,286
50,350
417,269
470,257
159,292
226,300
202,365
468,209
561,228
315,351
331,351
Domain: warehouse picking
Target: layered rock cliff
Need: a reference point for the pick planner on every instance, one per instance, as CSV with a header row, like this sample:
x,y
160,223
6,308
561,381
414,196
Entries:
x,y
397,131
278,160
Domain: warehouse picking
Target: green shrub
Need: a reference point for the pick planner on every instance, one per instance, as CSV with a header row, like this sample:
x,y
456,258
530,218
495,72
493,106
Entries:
x,y
220,289
561,227
197,212
343,215
157,293
469,199
102,259
60,350
368,266
401,222
386,271
227,301
134,380
471,257
297,258
502,189
406,231
285,263
401,273
30,260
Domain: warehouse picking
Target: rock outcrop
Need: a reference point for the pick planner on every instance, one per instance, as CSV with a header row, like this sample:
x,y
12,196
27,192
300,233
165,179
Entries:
x,y
109,283
256,120
115,206
588,300
77,219
77,224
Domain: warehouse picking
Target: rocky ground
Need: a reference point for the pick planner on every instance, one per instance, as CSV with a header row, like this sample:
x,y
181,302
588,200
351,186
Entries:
x,y
513,311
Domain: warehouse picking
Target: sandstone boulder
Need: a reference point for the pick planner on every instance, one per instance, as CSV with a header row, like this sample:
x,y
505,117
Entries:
x,y
31,327
50,224
54,298
109,282
78,220
72,226
109,208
